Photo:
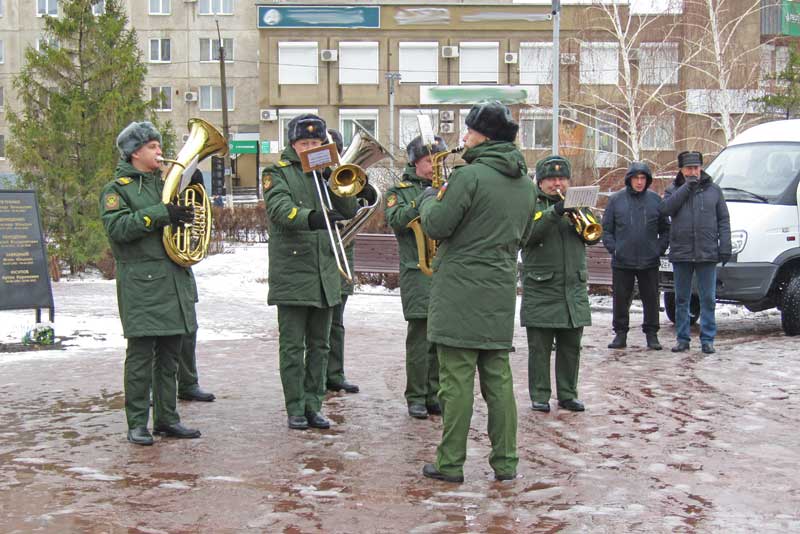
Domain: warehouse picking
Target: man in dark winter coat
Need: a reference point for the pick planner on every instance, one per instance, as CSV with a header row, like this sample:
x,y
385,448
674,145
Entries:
x,y
422,364
700,237
636,234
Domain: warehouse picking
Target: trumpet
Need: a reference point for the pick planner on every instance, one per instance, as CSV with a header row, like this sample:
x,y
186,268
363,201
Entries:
x,y
585,223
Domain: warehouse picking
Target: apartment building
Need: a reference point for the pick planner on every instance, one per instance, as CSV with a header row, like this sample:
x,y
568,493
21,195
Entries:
x,y
382,63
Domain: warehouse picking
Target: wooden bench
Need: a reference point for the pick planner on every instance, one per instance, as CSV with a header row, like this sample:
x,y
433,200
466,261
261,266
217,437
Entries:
x,y
378,253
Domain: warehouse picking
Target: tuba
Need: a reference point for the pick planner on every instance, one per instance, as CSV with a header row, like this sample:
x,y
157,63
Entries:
x,y
585,223
187,245
426,247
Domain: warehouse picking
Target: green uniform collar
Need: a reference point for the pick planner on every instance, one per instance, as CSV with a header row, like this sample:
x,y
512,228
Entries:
x,y
410,174
502,156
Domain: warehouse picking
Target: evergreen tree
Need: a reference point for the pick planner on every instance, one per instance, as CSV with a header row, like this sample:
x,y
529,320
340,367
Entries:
x,y
785,100
76,94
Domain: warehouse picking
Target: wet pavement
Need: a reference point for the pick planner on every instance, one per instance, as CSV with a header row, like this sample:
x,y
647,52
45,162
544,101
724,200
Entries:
x,y
669,442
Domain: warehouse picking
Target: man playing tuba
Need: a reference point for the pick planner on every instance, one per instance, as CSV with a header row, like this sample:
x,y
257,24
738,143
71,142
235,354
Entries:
x,y
155,295
304,281
422,366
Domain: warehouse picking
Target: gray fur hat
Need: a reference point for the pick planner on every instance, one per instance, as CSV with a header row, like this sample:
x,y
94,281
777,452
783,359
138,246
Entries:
x,y
493,119
308,126
416,149
134,136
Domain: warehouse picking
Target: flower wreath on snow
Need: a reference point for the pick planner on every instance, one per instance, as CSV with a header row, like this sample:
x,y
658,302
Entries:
x,y
39,335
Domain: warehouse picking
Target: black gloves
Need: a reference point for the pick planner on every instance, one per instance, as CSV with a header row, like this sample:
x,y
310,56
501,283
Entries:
x,y
558,208
197,178
724,258
180,214
326,174
316,219
692,181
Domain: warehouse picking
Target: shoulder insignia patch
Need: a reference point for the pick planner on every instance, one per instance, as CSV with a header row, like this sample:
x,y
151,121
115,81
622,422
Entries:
x,y
266,181
403,185
111,201
391,200
147,221
283,163
124,180
442,190
537,216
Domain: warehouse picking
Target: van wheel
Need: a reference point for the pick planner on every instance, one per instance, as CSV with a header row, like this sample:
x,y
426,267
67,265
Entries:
x,y
790,307
669,307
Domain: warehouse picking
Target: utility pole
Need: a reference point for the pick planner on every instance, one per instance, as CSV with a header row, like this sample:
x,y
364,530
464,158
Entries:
x,y
391,77
556,12
225,127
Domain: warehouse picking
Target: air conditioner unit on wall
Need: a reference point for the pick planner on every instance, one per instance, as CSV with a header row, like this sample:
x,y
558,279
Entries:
x,y
568,58
510,58
447,115
190,96
446,127
571,114
449,51
268,114
329,55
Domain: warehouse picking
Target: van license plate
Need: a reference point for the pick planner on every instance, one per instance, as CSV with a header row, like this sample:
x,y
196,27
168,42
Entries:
x,y
665,265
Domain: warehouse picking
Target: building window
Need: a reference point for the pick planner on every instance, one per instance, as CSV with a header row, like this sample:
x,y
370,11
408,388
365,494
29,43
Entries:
x,y
536,128
658,63
99,7
599,63
2,97
216,7
162,96
47,7
42,42
462,116
419,62
656,7
2,146
209,50
160,7
658,133
605,141
160,51
409,127
368,118
358,62
211,97
286,115
2,52
536,63
298,63
2,8
479,62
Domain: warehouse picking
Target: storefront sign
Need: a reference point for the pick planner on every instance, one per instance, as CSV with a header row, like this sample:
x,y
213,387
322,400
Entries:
x,y
319,17
475,94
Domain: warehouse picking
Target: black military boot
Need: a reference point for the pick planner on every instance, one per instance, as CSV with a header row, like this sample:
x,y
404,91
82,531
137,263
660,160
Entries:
x,y
620,341
652,341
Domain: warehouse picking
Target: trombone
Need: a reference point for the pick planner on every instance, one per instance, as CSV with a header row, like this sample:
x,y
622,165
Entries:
x,y
585,223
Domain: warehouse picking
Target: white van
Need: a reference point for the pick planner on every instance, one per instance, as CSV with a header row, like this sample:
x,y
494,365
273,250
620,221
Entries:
x,y
758,173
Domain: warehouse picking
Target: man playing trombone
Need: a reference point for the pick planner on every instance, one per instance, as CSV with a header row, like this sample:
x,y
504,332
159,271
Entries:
x,y
304,280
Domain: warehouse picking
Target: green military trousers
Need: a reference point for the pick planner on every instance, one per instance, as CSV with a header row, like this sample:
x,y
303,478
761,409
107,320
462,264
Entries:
x,y
187,364
422,365
151,361
303,355
568,359
456,393
335,370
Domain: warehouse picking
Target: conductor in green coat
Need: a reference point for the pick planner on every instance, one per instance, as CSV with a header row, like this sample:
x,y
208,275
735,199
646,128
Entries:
x,y
304,281
555,300
481,219
422,364
155,295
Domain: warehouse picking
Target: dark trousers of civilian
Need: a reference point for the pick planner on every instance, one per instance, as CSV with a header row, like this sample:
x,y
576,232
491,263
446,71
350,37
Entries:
x,y
622,284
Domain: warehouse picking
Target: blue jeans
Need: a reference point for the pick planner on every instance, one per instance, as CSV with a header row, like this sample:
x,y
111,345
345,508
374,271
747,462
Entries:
x,y
706,274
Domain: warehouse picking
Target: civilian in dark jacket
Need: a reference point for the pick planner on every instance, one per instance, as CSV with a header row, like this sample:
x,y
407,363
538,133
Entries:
x,y
636,234
700,237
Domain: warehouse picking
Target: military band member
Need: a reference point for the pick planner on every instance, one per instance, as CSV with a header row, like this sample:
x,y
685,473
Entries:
x,y
304,281
155,295
555,300
422,365
481,218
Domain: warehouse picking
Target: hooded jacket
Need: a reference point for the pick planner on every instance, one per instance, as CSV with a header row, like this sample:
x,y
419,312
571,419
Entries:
x,y
155,295
481,218
701,226
635,232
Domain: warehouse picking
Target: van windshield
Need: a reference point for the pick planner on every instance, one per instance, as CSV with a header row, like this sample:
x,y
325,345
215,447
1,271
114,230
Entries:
x,y
758,172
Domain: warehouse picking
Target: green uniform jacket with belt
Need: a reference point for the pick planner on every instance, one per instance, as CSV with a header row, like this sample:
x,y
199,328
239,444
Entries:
x,y
401,208
302,268
155,295
554,271
481,218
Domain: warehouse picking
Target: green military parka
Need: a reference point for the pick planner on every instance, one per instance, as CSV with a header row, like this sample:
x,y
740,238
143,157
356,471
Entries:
x,y
481,218
401,208
155,295
302,268
554,275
